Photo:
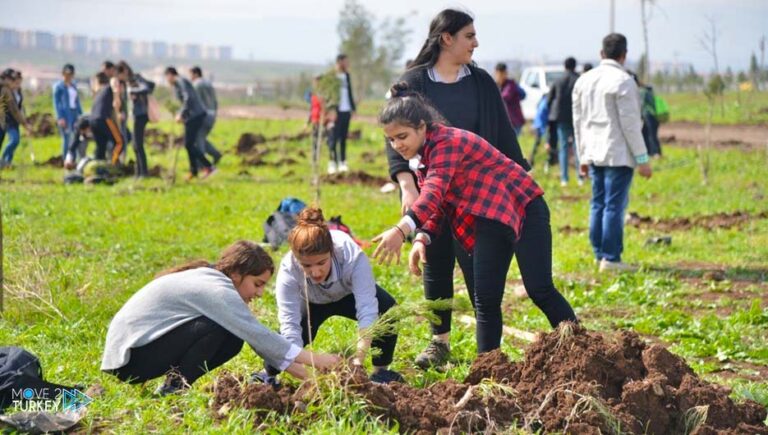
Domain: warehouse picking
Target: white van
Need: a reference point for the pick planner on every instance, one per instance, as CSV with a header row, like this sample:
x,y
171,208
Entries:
x,y
536,81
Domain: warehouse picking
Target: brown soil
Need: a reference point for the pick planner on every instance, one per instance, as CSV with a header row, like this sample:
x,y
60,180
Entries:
x,y
55,161
746,137
714,221
567,229
571,381
248,142
275,112
43,124
355,178
369,157
158,139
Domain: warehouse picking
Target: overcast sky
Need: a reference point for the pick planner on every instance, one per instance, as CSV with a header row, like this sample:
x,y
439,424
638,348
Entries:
x,y
305,30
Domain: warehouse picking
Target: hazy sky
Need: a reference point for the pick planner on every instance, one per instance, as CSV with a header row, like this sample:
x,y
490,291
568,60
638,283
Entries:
x,y
305,30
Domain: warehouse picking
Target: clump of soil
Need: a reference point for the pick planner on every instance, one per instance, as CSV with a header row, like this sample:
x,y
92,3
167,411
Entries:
x,y
355,178
714,221
567,229
571,381
55,161
43,124
369,157
159,139
248,142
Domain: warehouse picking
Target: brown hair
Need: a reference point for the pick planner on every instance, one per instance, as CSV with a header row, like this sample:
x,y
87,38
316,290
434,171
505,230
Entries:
x,y
311,235
242,257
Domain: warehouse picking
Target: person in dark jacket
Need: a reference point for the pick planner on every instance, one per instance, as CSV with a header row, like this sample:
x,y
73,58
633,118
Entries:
x,y
192,114
512,94
139,90
468,98
207,94
560,111
345,109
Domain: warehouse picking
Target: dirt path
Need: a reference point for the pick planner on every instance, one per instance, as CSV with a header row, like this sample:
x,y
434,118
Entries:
x,y
273,112
691,133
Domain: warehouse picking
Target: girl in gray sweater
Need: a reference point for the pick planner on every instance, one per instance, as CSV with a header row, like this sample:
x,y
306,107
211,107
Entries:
x,y
327,274
194,318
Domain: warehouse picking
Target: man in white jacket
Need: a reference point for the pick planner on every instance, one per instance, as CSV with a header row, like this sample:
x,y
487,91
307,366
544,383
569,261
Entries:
x,y
609,141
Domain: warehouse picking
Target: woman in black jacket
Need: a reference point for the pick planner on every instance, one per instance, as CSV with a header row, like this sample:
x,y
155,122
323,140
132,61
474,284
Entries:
x,y
468,98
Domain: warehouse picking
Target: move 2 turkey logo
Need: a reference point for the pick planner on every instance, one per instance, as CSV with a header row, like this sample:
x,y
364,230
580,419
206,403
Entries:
x,y
49,399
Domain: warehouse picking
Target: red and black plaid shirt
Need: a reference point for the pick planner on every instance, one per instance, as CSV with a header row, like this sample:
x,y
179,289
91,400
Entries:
x,y
462,176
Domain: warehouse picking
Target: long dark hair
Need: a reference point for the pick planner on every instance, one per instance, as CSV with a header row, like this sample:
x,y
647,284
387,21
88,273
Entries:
x,y
409,108
447,21
242,257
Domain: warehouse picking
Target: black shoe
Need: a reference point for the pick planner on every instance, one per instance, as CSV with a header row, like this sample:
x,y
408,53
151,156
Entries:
x,y
174,383
385,376
435,355
263,377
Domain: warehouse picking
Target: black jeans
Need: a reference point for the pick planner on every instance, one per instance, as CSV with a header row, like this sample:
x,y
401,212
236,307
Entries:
x,y
139,126
651,135
345,307
191,349
340,131
495,245
191,130
442,255
103,134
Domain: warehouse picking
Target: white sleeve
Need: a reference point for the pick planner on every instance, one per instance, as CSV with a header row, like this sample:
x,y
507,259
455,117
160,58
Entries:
x,y
630,120
288,290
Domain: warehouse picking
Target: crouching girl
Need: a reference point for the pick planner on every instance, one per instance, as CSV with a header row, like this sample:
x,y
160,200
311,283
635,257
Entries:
x,y
194,318
330,270
494,207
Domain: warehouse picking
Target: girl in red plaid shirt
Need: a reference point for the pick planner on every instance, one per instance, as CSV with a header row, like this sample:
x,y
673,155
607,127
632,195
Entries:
x,y
494,207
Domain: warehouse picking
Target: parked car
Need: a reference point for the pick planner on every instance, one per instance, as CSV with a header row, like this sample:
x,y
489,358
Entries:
x,y
536,81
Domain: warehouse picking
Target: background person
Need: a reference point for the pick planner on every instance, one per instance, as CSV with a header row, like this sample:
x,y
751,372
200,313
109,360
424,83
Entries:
x,y
344,111
560,111
207,94
66,106
609,140
512,94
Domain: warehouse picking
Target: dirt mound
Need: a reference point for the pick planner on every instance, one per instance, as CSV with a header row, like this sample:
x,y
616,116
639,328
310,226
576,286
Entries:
x,y
354,178
55,161
159,139
568,229
714,221
248,142
571,381
43,124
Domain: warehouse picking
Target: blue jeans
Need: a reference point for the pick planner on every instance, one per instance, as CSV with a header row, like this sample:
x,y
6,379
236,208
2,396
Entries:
x,y
66,132
13,142
610,196
565,139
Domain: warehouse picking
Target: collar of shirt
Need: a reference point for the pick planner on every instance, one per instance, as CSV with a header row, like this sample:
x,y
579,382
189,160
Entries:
x,y
433,75
415,163
612,63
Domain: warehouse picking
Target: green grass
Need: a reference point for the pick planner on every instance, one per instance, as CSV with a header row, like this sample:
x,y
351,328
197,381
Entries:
x,y
735,108
74,254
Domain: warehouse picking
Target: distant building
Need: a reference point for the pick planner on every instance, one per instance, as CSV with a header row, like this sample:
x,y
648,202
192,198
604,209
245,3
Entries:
x,y
159,50
37,40
9,38
110,47
72,43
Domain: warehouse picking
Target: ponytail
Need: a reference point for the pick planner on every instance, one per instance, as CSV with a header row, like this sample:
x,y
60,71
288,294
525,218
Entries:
x,y
408,108
311,235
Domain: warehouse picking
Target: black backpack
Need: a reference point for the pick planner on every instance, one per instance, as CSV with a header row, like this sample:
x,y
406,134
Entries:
x,y
277,227
19,370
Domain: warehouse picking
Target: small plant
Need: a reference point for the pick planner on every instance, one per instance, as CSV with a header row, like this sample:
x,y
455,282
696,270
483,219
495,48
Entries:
x,y
694,418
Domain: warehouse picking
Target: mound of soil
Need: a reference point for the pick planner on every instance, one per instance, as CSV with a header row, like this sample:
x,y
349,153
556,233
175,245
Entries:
x,y
248,142
159,139
355,178
55,161
571,381
714,221
43,124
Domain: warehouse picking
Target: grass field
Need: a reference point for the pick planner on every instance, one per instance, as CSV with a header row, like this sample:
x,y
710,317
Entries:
x,y
74,254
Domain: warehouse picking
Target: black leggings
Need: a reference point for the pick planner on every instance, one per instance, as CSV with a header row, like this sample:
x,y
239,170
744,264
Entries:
x,y
191,349
345,307
191,129
340,131
494,247
139,125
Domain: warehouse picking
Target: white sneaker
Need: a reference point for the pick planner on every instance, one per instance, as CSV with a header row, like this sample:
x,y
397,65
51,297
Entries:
x,y
331,168
580,181
616,266
563,184
343,167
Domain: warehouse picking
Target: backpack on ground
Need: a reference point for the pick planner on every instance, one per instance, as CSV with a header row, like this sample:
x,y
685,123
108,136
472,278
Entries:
x,y
280,223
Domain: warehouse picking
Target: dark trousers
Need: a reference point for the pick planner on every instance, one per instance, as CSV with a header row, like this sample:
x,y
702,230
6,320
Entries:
x,y
495,245
345,307
191,349
442,255
651,135
191,130
339,136
139,127
104,132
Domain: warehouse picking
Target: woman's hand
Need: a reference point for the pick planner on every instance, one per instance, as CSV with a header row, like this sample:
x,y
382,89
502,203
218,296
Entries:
x,y
389,248
326,360
417,256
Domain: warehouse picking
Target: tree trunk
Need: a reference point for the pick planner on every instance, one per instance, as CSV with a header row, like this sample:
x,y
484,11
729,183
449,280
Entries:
x,y
2,281
704,153
647,66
